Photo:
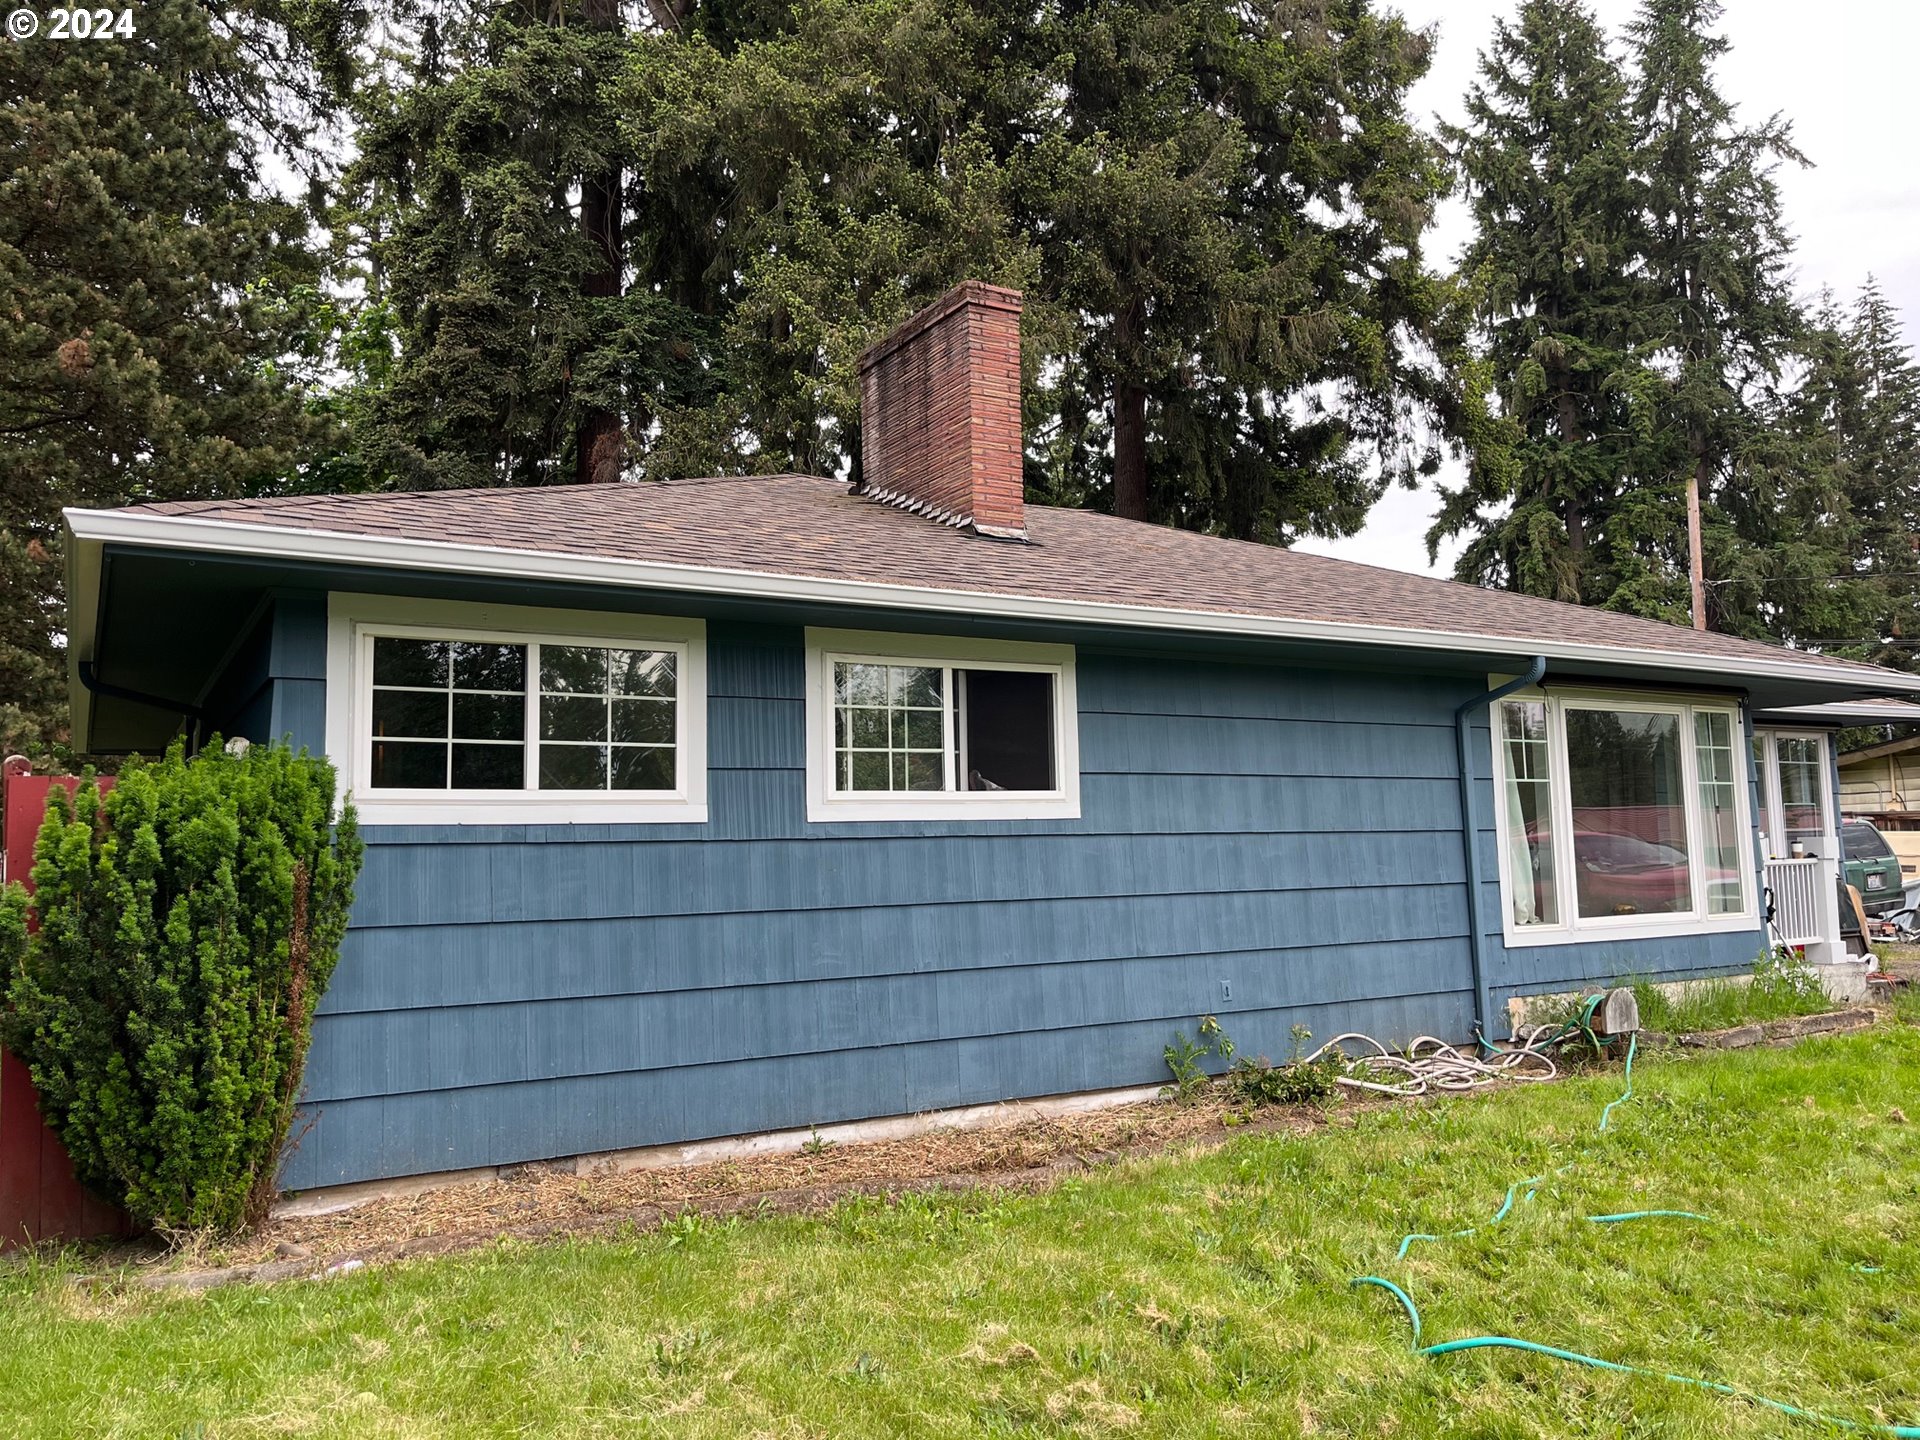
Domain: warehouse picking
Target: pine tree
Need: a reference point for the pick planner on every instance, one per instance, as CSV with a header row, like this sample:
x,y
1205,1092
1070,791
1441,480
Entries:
x,y
1881,441
136,244
1815,543
1215,215
488,198
1548,160
809,179
1716,257
1229,202
1783,539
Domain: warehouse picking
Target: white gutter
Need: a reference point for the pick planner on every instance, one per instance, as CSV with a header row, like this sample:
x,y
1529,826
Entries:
x,y
280,542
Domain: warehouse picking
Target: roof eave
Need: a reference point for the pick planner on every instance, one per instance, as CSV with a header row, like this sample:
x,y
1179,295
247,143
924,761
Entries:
x,y
94,528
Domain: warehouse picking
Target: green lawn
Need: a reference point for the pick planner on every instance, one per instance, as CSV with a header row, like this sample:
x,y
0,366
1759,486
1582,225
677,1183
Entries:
x,y
1183,1296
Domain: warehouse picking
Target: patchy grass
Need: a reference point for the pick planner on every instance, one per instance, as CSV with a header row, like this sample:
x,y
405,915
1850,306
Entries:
x,y
1777,990
1191,1295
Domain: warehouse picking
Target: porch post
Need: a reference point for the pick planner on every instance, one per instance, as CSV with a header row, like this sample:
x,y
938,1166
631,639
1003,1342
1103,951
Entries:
x,y
1832,947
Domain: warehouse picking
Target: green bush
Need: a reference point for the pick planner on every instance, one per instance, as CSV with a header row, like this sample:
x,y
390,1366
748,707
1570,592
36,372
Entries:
x,y
189,923
1298,1082
1187,1060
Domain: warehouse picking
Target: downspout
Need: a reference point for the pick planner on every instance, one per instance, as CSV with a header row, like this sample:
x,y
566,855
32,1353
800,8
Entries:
x,y
1470,834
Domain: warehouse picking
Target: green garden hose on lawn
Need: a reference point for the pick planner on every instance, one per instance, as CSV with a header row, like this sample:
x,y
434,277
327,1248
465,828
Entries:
x,y
1533,1347
1606,1115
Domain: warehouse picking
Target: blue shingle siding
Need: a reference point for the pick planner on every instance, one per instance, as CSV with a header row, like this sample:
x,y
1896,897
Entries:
x,y
1274,845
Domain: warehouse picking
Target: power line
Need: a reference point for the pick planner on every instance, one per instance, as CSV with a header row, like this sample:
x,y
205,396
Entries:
x,y
1802,579
1856,641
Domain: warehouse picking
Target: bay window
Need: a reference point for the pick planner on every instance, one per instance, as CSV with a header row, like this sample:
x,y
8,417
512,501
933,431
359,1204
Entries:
x,y
1620,816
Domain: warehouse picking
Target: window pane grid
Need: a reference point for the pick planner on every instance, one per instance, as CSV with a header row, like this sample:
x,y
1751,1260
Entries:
x,y
1527,814
450,714
1719,812
444,715
890,727
607,718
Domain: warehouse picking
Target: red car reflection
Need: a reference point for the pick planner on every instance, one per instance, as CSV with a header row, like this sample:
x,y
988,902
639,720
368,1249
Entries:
x,y
1624,875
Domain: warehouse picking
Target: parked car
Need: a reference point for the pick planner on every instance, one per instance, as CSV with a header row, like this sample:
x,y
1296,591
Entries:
x,y
1871,867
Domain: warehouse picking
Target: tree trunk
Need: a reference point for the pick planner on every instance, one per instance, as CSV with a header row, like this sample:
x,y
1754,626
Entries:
x,y
1573,433
1129,451
1129,419
1696,562
599,443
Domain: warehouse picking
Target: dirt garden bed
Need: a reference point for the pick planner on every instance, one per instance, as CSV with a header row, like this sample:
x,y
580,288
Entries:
x,y
536,1202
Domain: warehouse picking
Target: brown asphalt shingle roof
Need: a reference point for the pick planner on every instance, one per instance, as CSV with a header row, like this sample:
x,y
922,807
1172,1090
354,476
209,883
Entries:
x,y
804,526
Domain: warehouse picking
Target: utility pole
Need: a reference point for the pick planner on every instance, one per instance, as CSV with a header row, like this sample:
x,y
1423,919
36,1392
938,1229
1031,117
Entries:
x,y
1696,564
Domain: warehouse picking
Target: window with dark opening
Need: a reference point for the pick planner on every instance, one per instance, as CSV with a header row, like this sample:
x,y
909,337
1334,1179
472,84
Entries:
x,y
1006,732
937,728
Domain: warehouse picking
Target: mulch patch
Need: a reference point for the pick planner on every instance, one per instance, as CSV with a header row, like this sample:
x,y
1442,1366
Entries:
x,y
536,1202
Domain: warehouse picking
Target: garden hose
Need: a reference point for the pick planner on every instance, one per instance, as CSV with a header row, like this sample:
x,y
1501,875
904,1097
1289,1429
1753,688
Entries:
x,y
1606,1115
1429,1064
1533,1347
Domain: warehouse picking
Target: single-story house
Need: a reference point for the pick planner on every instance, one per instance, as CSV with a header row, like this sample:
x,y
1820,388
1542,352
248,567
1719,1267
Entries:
x,y
715,807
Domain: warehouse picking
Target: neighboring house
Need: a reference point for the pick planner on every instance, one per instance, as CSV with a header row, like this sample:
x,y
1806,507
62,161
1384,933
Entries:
x,y
1881,783
719,806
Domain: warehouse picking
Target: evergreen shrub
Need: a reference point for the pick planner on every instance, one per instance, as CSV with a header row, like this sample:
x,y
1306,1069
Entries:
x,y
189,921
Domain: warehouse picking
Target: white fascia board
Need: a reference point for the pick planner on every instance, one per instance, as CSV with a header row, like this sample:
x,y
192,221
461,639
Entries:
x,y
279,542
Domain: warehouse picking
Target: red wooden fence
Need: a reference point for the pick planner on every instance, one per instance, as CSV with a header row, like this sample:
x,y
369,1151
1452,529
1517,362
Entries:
x,y
39,1198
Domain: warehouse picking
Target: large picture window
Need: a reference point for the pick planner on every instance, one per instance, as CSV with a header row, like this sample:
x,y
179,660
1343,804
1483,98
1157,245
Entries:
x,y
467,714
1622,816
904,727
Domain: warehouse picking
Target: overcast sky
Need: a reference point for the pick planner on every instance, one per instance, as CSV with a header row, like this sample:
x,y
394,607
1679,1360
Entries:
x,y
1842,71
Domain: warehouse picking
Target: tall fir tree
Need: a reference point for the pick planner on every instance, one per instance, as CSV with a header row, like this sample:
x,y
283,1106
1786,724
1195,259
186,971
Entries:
x,y
1216,216
139,250
1784,537
1230,202
1547,157
1716,256
1881,441
1819,543
809,179
488,200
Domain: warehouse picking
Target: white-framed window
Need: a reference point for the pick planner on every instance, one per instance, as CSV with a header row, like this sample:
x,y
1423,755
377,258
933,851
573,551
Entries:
x,y
445,712
1791,768
923,727
1621,815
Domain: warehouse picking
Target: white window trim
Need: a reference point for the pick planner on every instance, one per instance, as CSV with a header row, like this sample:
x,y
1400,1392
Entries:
x,y
352,621
1571,929
825,647
1772,820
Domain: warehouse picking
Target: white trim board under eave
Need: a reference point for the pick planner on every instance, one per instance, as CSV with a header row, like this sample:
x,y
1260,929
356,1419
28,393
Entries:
x,y
279,542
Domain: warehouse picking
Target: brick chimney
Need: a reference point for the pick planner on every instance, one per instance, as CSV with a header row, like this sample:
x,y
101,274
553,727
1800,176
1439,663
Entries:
x,y
940,412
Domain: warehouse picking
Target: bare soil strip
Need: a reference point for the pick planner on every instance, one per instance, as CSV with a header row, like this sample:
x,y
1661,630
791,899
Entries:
x,y
540,1203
